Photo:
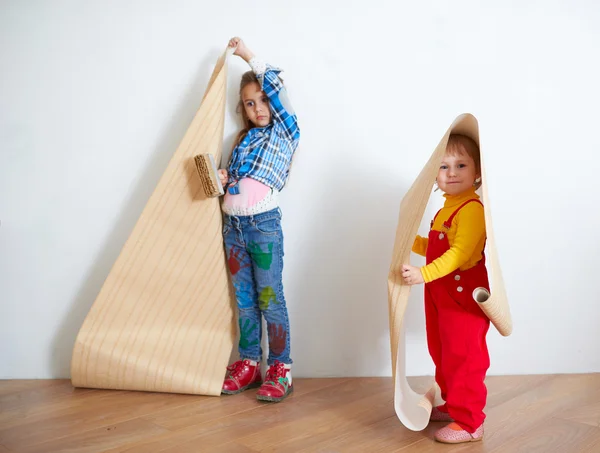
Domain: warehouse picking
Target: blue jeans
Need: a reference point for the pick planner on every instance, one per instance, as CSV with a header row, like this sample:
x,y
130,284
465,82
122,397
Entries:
x,y
254,248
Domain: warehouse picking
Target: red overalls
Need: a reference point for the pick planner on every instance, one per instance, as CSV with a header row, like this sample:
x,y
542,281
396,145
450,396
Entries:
x,y
456,330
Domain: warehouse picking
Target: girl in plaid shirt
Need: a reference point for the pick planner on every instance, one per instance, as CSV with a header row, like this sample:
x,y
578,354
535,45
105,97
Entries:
x,y
257,171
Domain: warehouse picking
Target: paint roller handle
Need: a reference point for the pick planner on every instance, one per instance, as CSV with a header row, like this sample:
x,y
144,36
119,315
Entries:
x,y
223,177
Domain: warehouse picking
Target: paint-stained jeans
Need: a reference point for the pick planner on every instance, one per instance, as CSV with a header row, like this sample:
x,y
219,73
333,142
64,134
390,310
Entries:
x,y
254,247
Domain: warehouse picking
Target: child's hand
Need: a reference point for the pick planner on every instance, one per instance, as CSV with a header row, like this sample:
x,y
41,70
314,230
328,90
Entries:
x,y
223,177
242,50
412,275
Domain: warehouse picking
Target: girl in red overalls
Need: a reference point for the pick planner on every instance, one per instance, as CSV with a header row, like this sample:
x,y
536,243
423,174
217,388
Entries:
x,y
455,267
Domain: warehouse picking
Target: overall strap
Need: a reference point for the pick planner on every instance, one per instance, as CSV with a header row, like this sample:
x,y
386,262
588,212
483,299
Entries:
x,y
434,217
448,222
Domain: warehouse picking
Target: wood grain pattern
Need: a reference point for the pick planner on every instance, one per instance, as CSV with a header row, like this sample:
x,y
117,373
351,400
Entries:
x,y
163,320
46,422
99,439
533,414
413,408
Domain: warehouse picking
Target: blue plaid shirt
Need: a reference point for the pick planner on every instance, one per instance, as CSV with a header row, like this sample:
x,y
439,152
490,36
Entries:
x,y
265,153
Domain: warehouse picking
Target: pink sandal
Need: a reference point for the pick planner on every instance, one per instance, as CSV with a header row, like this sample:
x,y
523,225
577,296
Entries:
x,y
454,434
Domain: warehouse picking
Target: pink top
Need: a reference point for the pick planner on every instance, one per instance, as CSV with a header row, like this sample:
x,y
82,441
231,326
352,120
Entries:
x,y
251,193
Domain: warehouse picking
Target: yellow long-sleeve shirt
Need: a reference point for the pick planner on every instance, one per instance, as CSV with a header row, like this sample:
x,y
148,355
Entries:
x,y
466,237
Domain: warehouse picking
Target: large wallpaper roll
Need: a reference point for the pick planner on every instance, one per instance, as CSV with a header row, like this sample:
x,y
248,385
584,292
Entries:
x,y
164,320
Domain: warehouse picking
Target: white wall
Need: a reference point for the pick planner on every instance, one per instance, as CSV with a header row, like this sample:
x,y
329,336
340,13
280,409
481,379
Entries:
x,y
95,96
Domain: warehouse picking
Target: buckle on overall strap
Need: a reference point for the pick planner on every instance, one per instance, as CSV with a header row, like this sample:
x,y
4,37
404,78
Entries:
x,y
445,227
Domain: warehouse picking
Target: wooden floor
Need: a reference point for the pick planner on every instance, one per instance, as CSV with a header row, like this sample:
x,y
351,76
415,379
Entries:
x,y
525,414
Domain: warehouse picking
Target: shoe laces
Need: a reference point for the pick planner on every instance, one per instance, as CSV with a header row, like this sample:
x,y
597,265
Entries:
x,y
235,369
275,372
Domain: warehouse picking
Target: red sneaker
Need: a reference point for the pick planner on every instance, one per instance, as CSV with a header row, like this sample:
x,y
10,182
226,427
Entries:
x,y
241,375
278,383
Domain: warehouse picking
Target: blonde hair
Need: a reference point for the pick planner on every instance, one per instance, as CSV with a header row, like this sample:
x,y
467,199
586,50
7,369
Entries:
x,y
459,144
247,78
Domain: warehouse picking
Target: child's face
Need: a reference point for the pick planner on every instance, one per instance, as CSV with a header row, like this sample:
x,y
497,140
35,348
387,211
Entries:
x,y
256,105
457,173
